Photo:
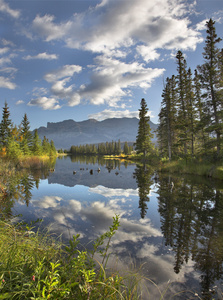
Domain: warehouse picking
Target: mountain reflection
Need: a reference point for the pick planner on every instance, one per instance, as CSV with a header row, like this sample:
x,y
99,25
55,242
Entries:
x,y
112,173
177,229
192,224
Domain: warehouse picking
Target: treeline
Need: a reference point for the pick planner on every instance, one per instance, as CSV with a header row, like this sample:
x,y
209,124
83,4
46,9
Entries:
x,y
17,141
108,148
191,115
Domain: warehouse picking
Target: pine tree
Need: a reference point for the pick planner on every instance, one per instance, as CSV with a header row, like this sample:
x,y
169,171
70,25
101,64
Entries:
x,y
211,80
26,135
191,112
201,135
5,127
126,148
143,140
36,144
167,116
182,121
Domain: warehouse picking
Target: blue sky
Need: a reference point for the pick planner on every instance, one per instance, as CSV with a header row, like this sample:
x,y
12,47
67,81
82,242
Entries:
x,y
69,59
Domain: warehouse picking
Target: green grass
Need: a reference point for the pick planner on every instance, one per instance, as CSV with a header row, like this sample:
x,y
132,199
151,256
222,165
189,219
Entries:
x,y
35,266
193,167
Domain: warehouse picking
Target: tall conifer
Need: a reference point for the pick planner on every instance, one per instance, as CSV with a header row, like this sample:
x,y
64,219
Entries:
x,y
143,140
211,81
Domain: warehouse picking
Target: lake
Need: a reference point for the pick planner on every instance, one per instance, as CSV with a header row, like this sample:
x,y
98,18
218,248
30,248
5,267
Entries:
x,y
171,228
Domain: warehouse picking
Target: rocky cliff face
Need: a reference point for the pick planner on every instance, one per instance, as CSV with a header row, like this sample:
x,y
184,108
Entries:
x,y
68,132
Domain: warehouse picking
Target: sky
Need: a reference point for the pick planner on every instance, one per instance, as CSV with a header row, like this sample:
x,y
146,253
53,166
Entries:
x,y
96,59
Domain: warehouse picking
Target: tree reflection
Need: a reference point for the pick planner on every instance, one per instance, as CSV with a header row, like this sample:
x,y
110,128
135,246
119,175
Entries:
x,y
17,185
192,224
143,174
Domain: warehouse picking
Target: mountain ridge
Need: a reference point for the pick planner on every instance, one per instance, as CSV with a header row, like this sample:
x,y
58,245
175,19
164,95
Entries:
x,y
69,132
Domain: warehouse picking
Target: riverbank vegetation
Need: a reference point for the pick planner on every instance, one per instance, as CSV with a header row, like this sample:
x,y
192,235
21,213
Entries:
x,y
36,266
107,148
18,144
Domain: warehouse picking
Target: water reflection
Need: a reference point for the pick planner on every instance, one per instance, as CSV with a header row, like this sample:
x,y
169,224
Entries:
x,y
192,224
172,224
143,174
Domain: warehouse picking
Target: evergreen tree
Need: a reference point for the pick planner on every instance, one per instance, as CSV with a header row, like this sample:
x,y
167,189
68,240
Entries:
x,y
143,140
45,146
53,150
26,135
201,135
167,116
211,81
36,144
191,112
182,121
5,127
126,148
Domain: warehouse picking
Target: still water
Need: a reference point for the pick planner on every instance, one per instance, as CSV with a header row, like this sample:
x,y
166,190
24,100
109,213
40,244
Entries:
x,y
171,227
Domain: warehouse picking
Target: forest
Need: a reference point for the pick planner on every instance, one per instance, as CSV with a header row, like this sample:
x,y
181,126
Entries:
x,y
18,141
191,115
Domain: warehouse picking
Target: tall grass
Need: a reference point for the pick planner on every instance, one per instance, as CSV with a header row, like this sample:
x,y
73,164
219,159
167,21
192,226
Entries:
x,y
193,167
37,266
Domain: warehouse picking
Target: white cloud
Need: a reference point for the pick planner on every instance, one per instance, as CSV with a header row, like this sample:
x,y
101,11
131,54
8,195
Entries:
x,y
109,114
147,53
112,79
44,56
6,83
20,102
4,7
116,29
4,50
45,103
117,24
47,201
65,71
109,192
46,26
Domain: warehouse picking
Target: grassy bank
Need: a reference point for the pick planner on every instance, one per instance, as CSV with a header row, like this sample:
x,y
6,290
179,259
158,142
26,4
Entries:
x,y
35,266
192,167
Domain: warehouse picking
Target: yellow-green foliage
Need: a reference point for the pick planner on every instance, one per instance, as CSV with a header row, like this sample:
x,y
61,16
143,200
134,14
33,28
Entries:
x,y
191,167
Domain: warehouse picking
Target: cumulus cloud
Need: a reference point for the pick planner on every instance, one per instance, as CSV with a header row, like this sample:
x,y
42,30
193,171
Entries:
x,y
20,102
147,53
5,8
112,30
117,24
46,103
108,192
47,201
6,83
66,71
109,114
59,89
44,56
113,79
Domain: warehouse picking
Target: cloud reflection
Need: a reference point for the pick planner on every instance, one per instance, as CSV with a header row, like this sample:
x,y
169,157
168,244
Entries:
x,y
136,239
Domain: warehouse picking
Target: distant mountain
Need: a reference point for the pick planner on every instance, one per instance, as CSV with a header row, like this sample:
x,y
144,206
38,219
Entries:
x,y
68,132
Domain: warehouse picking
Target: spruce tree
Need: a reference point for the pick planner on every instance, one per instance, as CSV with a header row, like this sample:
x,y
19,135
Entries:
x,y
5,127
211,79
26,135
36,144
167,116
143,140
182,121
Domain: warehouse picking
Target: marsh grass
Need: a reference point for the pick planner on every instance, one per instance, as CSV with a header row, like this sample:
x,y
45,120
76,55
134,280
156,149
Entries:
x,y
193,167
38,266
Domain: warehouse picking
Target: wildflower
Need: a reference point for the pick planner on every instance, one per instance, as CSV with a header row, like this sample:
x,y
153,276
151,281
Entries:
x,y
33,278
3,280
